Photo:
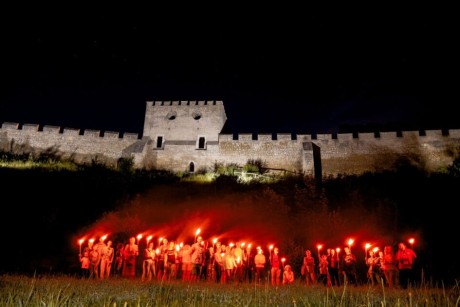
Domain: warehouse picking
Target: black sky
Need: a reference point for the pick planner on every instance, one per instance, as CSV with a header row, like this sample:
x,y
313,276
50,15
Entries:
x,y
277,68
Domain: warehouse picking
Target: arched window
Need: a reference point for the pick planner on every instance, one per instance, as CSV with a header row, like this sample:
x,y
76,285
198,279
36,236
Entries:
x,y
191,167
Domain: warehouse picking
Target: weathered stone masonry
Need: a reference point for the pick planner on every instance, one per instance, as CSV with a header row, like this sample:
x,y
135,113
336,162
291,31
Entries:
x,y
184,136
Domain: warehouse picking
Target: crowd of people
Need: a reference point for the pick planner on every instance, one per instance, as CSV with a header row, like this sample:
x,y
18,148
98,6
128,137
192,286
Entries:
x,y
242,263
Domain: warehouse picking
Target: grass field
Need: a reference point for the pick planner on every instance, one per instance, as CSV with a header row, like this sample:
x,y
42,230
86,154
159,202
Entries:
x,y
18,290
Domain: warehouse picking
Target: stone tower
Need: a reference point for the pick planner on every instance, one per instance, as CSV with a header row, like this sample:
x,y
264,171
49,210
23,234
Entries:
x,y
184,121
184,134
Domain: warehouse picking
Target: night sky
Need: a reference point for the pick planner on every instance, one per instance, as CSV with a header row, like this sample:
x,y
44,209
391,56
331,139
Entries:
x,y
335,70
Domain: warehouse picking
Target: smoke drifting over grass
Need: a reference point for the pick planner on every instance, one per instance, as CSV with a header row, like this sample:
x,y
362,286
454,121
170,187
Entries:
x,y
258,215
176,214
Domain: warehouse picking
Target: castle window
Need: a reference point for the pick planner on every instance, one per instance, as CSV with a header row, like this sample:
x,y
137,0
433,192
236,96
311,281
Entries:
x,y
201,142
196,115
171,115
159,142
191,167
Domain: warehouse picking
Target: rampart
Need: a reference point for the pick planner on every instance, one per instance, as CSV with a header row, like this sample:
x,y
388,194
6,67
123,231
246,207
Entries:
x,y
69,143
185,136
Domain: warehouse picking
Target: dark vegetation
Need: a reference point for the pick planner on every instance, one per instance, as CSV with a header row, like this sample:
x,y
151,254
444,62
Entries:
x,y
43,211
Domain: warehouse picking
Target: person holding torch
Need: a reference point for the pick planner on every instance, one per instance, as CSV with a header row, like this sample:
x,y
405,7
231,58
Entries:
x,y
405,258
275,271
349,266
131,252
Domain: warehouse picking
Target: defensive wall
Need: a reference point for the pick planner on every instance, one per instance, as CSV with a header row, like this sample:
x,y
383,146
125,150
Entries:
x,y
69,143
185,136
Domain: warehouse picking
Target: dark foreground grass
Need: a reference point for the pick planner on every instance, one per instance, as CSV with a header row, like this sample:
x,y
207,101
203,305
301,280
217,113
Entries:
x,y
68,291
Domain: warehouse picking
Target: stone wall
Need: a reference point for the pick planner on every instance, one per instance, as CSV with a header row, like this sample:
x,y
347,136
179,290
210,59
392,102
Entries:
x,y
82,146
181,125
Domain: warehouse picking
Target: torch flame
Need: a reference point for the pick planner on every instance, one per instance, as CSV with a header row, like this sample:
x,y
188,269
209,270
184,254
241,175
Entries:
x,y
197,232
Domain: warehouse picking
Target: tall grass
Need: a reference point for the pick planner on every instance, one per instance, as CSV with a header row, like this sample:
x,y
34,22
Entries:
x,y
18,290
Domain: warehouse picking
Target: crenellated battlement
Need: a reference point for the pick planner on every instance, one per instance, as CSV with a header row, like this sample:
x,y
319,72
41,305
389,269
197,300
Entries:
x,y
80,145
387,136
66,131
167,103
186,136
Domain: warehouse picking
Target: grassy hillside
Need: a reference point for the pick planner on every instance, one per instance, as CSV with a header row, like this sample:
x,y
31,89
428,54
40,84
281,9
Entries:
x,y
45,210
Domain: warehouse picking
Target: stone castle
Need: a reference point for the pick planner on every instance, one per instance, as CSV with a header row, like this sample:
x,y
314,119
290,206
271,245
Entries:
x,y
186,136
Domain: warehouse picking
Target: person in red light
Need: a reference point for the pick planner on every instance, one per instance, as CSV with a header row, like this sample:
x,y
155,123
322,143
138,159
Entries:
x,y
405,258
309,265
349,266
161,250
107,255
259,262
323,270
288,275
131,252
218,261
119,259
373,272
186,262
197,253
333,263
85,263
148,265
95,259
170,262
389,267
275,271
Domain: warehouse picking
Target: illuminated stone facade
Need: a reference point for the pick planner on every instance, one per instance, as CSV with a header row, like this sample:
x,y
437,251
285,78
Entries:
x,y
186,136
